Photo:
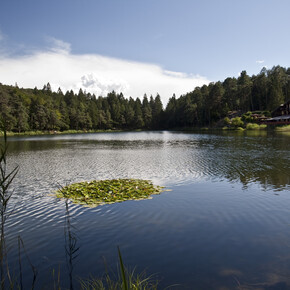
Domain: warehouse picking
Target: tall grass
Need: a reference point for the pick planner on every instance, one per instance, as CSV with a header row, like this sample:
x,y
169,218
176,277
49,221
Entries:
x,y
6,179
71,247
126,279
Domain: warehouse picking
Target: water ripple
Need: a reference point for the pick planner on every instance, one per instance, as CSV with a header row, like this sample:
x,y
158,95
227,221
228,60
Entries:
x,y
222,201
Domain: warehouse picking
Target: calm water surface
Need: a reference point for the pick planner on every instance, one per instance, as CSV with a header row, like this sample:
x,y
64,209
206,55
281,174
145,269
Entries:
x,y
225,223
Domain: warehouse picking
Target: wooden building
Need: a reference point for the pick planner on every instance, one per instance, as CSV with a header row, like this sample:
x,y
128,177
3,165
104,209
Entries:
x,y
282,110
280,115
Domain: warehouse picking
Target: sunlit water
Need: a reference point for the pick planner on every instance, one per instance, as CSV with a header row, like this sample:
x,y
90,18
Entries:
x,y
225,223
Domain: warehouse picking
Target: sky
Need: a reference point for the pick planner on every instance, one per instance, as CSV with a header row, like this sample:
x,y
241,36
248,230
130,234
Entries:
x,y
139,46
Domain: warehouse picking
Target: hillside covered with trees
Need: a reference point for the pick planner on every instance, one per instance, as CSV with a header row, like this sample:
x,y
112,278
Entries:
x,y
34,109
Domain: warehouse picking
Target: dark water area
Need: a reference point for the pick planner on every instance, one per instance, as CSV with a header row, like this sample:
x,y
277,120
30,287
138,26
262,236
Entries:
x,y
225,224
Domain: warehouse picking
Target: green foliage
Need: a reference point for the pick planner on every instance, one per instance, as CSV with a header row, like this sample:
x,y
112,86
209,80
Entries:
x,y
33,109
283,128
227,121
95,192
254,126
44,110
126,279
247,117
267,114
206,105
237,122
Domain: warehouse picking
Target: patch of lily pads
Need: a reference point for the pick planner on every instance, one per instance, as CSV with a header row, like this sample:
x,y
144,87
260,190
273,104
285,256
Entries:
x,y
98,192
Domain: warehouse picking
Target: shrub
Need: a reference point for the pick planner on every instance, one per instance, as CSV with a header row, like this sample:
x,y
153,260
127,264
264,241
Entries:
x,y
283,128
237,122
247,117
227,121
252,126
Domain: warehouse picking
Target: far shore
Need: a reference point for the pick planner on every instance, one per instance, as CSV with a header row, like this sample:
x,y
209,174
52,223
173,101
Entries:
x,y
185,129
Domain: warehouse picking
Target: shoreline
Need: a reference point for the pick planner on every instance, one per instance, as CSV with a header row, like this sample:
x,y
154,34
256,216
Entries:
x,y
285,128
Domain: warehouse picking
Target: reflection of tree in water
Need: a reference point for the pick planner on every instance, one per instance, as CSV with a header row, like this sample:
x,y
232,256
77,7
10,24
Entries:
x,y
248,156
274,176
248,160
272,173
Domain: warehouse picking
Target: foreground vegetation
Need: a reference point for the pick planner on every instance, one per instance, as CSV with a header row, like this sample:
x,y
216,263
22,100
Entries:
x,y
6,178
45,110
125,279
95,192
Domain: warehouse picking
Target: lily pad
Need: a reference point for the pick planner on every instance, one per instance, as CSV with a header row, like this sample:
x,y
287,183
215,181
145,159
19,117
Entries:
x,y
97,192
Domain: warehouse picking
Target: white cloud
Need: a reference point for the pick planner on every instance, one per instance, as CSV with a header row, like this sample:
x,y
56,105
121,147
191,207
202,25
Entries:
x,y
58,46
102,86
94,73
260,61
176,74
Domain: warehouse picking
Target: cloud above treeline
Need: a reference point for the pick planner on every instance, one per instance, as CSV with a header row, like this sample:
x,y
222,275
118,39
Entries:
x,y
93,73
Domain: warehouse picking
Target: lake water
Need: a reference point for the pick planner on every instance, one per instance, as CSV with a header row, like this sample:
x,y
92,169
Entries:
x,y
225,224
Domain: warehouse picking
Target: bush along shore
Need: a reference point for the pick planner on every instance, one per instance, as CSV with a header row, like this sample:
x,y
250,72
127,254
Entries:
x,y
54,132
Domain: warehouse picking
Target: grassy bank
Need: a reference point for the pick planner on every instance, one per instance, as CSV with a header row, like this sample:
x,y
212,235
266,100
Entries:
x,y
285,128
238,127
37,133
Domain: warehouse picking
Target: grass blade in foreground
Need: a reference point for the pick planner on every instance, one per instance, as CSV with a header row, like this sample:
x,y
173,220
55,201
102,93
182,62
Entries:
x,y
126,280
125,285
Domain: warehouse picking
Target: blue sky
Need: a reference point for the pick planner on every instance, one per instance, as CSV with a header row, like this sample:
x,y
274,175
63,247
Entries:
x,y
184,43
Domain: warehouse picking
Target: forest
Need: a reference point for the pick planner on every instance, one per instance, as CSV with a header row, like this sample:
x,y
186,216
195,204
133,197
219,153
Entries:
x,y
42,109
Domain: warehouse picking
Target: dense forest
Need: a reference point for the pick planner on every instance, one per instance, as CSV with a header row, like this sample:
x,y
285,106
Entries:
x,y
35,109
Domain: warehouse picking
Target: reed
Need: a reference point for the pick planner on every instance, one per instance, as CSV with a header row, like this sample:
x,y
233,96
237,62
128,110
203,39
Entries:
x,y
6,179
126,279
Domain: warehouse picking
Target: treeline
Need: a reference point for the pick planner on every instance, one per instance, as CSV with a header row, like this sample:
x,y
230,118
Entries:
x,y
208,104
35,109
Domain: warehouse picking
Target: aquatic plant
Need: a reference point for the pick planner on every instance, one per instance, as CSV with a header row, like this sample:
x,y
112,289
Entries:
x,y
126,279
6,179
99,192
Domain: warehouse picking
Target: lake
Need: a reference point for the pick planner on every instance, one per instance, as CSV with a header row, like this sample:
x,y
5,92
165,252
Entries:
x,y
224,224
